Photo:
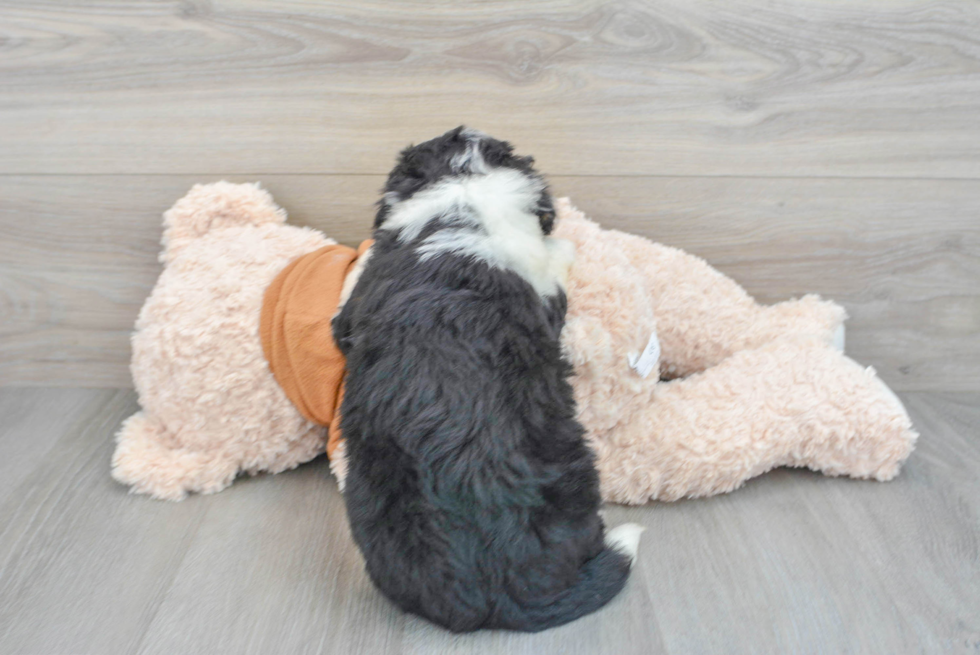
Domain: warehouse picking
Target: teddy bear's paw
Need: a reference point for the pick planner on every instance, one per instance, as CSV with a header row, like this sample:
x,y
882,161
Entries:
x,y
896,422
860,429
889,396
837,340
147,460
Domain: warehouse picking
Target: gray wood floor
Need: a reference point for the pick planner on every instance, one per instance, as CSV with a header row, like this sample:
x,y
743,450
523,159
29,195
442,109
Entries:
x,y
798,145
793,562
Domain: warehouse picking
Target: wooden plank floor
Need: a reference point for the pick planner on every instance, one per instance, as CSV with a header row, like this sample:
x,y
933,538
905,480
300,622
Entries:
x,y
793,562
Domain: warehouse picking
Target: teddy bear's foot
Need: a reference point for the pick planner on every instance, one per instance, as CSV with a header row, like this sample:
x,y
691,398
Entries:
x,y
809,315
794,402
837,340
872,409
150,461
276,456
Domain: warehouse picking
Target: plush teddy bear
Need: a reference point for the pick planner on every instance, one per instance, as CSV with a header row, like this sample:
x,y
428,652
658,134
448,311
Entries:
x,y
756,387
753,387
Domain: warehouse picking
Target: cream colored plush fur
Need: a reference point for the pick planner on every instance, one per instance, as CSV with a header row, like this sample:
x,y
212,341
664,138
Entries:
x,y
764,388
211,408
760,386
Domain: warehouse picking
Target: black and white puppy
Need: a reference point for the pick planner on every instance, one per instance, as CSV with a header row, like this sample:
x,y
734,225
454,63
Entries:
x,y
471,491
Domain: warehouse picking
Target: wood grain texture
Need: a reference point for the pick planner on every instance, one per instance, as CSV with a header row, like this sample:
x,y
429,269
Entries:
x,y
78,258
861,566
83,565
815,87
33,421
797,145
794,562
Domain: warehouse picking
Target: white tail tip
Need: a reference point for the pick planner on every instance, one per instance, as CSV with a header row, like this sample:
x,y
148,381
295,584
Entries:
x,y
626,539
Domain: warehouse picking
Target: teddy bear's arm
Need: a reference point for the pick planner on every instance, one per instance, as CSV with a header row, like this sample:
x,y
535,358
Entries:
x,y
704,316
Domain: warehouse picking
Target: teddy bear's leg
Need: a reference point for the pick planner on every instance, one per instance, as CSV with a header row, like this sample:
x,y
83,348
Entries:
x,y
144,460
302,447
793,402
704,316
610,313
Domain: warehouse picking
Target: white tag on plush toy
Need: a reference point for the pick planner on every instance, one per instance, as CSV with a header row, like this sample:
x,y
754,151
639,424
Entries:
x,y
648,359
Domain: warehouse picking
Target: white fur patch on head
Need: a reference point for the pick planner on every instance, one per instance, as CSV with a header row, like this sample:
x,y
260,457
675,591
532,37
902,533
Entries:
x,y
471,159
490,217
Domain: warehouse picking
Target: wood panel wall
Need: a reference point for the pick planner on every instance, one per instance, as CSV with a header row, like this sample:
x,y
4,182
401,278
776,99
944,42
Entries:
x,y
798,146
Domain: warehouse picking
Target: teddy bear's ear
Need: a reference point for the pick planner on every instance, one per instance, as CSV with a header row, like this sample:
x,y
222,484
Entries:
x,y
213,206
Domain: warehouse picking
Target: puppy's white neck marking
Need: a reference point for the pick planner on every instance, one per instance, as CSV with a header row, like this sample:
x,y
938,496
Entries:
x,y
496,224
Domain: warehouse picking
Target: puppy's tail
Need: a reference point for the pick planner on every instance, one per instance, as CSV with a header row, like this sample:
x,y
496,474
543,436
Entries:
x,y
600,579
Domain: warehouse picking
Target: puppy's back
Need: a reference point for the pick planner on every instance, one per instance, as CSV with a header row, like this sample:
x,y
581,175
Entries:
x,y
471,491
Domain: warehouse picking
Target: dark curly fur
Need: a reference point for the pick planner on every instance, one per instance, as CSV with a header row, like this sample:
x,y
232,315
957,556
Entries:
x,y
471,491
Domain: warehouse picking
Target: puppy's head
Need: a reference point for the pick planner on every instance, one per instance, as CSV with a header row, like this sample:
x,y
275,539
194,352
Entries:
x,y
458,153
